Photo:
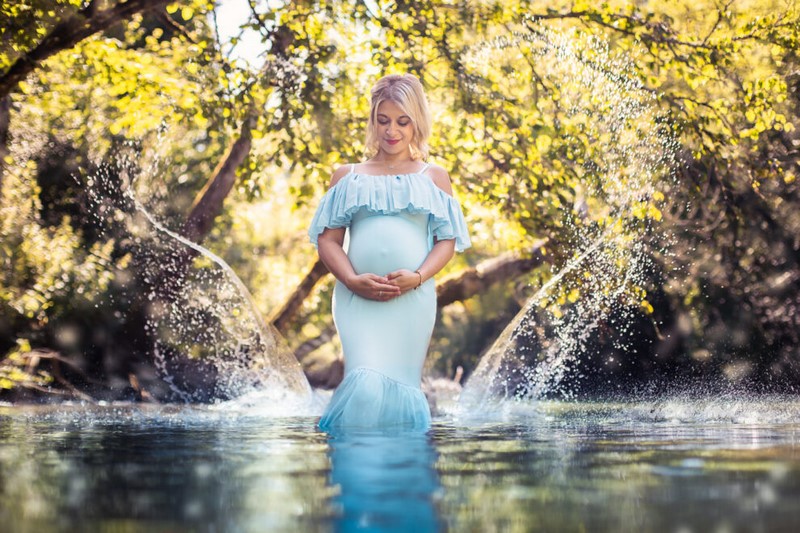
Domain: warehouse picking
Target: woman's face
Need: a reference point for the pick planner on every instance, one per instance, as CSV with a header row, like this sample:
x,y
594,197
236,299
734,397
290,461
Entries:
x,y
394,127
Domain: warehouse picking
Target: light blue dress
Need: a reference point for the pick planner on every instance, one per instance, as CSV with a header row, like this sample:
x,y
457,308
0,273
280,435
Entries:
x,y
391,223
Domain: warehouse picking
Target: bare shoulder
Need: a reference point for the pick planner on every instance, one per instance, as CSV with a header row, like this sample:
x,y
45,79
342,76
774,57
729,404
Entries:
x,y
440,178
339,173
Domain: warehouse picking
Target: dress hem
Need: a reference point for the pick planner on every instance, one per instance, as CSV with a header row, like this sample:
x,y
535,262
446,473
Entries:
x,y
381,374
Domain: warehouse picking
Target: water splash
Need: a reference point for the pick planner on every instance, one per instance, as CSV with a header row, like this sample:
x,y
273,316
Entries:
x,y
209,341
600,97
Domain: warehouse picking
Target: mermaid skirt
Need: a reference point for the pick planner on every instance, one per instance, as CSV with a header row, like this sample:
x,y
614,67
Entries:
x,y
368,399
384,343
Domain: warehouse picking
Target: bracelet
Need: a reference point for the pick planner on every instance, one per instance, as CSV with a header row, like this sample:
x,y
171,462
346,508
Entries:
x,y
420,279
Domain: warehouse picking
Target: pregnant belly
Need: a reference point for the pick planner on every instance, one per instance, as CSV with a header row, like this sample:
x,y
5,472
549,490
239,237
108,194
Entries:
x,y
383,243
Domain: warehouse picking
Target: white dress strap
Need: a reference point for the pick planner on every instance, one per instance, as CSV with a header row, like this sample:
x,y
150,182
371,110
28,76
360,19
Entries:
x,y
352,168
424,168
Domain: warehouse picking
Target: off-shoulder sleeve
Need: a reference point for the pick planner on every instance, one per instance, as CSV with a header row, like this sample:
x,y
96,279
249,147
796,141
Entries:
x,y
447,222
328,215
390,195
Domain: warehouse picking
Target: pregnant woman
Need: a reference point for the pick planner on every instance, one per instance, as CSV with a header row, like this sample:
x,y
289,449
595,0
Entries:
x,y
384,229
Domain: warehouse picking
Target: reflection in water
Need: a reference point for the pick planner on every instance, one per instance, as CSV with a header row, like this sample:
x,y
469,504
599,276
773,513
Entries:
x,y
159,469
386,480
668,465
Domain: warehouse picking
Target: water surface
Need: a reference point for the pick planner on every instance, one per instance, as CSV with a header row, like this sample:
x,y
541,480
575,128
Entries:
x,y
674,465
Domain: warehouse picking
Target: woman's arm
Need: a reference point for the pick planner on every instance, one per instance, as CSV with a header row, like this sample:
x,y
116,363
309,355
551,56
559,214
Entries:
x,y
437,258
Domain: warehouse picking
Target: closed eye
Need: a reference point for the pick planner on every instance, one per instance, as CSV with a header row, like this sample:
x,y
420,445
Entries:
x,y
401,124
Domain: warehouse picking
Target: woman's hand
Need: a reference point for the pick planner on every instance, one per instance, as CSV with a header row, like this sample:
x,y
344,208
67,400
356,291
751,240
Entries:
x,y
373,287
367,285
405,280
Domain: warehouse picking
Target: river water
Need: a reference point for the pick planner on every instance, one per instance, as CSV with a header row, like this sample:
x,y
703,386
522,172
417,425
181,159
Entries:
x,y
721,464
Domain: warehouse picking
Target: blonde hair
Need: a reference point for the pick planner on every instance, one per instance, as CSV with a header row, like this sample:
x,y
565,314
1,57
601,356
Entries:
x,y
406,91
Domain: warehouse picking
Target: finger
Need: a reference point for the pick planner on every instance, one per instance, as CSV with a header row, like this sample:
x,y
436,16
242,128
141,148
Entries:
x,y
388,294
388,287
374,278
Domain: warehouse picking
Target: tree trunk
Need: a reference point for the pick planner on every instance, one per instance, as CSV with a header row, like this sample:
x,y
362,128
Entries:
x,y
467,283
286,315
5,122
69,32
207,206
208,203
312,344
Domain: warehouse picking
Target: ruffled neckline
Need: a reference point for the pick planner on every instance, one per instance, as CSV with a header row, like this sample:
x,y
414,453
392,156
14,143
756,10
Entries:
x,y
353,175
419,172
389,194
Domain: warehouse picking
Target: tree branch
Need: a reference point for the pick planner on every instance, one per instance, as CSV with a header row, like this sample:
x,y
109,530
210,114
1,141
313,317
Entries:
x,y
208,203
5,122
283,318
70,32
207,206
467,283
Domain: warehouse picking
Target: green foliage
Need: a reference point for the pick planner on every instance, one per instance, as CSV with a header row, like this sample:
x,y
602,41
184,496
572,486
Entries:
x,y
526,166
45,270
24,23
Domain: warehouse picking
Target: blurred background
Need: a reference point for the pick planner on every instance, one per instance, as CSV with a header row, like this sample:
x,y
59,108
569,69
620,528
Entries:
x,y
224,121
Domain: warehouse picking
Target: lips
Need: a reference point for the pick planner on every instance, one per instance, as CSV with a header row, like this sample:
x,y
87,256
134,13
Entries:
x,y
392,141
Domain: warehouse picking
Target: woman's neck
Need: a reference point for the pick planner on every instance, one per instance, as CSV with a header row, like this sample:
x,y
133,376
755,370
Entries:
x,y
392,159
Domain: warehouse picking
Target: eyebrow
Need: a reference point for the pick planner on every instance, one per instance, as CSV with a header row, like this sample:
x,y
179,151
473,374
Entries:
x,y
381,115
